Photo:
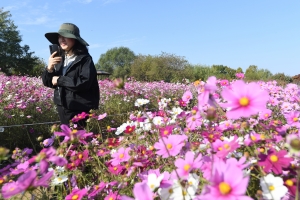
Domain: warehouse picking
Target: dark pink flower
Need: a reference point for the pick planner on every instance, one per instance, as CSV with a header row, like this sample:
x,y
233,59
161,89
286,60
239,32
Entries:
x,y
274,161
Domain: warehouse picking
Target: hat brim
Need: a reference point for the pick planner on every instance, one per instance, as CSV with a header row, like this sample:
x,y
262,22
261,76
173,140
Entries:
x,y
53,37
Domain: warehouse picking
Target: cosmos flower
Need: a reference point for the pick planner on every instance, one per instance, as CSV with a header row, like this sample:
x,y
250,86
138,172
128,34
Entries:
x,y
76,194
170,146
274,161
272,187
185,166
244,100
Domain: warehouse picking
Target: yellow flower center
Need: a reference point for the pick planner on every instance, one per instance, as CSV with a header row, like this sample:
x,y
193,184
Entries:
x,y
115,168
166,132
169,146
295,119
59,179
220,148
152,186
227,147
186,167
224,188
74,131
266,115
244,101
253,137
121,155
110,198
75,197
289,182
194,112
193,119
271,188
1,181
170,191
273,158
80,156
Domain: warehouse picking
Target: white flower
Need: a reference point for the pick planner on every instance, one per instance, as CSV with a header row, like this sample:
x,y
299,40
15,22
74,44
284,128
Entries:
x,y
154,181
272,187
158,120
59,180
140,102
176,111
177,192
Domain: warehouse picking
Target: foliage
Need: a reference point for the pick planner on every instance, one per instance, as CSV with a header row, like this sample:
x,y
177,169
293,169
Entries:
x,y
167,67
14,58
116,61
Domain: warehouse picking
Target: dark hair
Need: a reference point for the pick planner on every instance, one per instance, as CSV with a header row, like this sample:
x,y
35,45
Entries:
x,y
79,48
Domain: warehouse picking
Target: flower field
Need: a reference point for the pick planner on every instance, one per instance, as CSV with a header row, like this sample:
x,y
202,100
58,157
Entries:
x,y
212,139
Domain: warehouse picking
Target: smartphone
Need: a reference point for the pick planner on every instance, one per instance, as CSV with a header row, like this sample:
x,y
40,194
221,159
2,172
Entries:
x,y
55,47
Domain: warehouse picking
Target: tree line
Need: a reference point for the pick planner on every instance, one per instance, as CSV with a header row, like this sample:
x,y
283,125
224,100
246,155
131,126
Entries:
x,y
120,62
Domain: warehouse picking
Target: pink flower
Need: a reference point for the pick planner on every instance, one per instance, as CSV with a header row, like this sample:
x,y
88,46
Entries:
x,y
227,183
140,191
80,116
76,194
223,148
112,196
187,96
170,146
184,166
97,189
292,118
10,189
122,155
244,100
73,135
45,156
194,120
265,114
100,117
240,75
224,82
209,88
274,161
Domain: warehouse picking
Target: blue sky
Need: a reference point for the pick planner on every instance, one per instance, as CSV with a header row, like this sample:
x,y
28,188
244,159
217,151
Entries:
x,y
235,33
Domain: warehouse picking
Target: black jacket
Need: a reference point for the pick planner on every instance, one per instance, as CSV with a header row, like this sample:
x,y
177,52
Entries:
x,y
78,89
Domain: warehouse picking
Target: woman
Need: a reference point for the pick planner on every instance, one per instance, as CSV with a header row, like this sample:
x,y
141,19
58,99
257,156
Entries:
x,y
72,75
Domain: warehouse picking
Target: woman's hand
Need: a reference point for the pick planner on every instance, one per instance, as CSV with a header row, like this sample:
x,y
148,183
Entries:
x,y
54,80
53,61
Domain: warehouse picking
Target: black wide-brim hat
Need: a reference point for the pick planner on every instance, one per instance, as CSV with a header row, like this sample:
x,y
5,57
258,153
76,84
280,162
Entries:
x,y
67,30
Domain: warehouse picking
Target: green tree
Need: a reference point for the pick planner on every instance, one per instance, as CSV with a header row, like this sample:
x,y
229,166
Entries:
x,y
167,67
14,58
116,61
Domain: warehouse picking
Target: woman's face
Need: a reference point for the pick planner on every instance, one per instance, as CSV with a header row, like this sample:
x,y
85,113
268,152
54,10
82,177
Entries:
x,y
66,43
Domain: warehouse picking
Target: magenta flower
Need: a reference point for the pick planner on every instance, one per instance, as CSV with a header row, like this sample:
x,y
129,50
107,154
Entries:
x,y
97,189
165,131
184,166
170,146
79,117
274,161
76,194
122,155
227,183
244,100
73,135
